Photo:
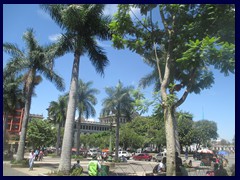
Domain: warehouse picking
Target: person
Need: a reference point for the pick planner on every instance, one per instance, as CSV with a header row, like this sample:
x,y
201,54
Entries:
x,y
31,159
41,155
123,159
190,163
161,167
221,171
94,167
36,154
178,162
75,166
186,153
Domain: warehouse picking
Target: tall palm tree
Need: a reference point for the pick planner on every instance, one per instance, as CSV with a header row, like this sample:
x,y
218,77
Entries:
x,y
37,59
12,97
57,114
85,101
83,23
119,102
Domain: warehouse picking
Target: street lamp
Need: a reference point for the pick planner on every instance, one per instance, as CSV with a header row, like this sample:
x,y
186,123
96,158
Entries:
x,y
110,137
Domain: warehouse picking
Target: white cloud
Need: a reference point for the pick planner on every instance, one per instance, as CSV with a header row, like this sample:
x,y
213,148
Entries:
x,y
54,37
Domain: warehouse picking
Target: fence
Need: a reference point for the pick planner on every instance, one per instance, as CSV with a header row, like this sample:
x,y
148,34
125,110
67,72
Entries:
x,y
146,169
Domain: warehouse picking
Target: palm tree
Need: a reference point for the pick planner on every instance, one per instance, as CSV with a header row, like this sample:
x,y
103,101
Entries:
x,y
12,97
85,102
119,102
37,59
57,113
83,23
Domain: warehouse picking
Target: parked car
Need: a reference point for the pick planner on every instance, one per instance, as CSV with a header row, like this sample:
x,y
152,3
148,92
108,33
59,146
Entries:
x,y
126,154
158,157
143,156
92,152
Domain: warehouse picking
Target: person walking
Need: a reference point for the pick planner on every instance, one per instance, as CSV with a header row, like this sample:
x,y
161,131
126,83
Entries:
x,y
94,167
31,159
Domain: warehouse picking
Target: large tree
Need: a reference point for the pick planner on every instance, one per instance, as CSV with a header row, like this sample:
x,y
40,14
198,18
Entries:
x,y
182,42
85,105
35,59
118,103
40,133
57,111
204,131
83,24
12,98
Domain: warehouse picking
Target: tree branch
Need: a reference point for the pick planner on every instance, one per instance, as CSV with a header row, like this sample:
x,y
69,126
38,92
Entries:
x,y
185,94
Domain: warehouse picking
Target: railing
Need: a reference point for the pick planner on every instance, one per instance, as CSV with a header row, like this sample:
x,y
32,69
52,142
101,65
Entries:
x,y
136,169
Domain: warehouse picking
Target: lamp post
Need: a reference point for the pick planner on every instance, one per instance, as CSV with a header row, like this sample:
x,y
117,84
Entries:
x,y
110,138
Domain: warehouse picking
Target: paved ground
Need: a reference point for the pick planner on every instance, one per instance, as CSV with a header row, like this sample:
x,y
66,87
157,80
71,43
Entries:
x,y
50,164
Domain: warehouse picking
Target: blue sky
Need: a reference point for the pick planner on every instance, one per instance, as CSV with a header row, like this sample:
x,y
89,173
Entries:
x,y
216,104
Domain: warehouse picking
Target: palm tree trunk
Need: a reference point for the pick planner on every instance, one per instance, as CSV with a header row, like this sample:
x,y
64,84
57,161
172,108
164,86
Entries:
x,y
170,139
5,123
78,132
21,145
65,161
58,139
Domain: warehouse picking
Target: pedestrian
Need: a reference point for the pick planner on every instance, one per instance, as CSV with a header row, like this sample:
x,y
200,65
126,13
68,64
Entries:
x,y
161,167
31,159
178,163
41,155
36,154
190,163
76,166
221,171
94,167
186,153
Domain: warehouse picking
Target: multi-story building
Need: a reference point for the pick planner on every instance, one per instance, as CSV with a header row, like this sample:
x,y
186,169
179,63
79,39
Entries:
x,y
14,124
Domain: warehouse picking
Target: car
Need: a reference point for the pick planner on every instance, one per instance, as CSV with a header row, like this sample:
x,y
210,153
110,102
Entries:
x,y
143,156
158,157
92,152
126,154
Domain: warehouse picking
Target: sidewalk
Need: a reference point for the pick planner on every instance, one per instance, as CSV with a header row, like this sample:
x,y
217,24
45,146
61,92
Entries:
x,y
37,171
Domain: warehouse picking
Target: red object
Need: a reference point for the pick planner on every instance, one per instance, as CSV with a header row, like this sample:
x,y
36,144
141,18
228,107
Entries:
x,y
143,156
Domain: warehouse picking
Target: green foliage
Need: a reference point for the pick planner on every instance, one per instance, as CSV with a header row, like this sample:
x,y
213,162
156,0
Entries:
x,y
41,132
185,128
204,131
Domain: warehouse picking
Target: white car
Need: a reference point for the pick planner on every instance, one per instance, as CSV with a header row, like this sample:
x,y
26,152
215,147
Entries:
x,y
92,152
126,154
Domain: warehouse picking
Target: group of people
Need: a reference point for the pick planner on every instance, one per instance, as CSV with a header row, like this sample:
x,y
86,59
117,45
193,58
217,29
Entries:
x,y
34,156
94,166
219,163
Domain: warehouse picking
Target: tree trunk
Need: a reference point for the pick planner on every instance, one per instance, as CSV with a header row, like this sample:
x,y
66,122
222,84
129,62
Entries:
x,y
78,133
171,143
29,90
58,139
178,148
5,123
65,161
